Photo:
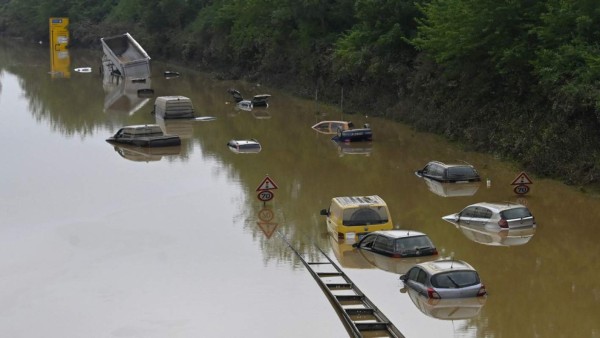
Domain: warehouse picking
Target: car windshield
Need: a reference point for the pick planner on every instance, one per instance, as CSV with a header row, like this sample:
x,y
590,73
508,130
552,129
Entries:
x,y
459,172
515,213
412,243
455,279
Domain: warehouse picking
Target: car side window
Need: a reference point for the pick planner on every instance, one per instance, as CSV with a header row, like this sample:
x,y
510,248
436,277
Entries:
x,y
426,169
481,212
413,273
383,243
367,242
422,277
468,212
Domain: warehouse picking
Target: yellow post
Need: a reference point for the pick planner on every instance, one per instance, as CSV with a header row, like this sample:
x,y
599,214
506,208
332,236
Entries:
x,y
59,33
59,54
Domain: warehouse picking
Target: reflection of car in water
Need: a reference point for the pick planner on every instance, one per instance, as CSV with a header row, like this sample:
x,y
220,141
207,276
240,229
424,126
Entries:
x,y
446,309
182,127
354,148
125,95
138,154
394,265
492,235
452,189
347,255
502,216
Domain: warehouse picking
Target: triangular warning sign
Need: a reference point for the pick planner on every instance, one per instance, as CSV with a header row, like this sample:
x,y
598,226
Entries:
x,y
268,228
267,184
522,179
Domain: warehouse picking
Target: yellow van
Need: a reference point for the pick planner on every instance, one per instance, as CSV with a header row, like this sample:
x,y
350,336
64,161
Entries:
x,y
352,217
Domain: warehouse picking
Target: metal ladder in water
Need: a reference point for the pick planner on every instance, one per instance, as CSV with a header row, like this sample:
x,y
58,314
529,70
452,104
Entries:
x,y
360,316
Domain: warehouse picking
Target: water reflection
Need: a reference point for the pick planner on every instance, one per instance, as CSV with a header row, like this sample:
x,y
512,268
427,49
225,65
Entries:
x,y
146,154
490,234
64,123
446,309
60,63
184,128
347,255
394,265
125,95
261,113
354,148
451,189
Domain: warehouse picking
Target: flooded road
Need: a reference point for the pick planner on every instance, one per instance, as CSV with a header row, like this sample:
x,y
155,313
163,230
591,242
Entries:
x,y
106,241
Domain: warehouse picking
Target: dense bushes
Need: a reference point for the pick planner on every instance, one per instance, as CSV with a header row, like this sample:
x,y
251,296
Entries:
x,y
519,78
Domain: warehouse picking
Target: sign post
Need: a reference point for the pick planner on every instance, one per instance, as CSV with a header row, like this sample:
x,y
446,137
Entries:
x,y
521,183
264,189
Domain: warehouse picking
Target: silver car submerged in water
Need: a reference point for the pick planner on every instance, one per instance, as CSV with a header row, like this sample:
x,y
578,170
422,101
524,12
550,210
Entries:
x,y
446,278
503,216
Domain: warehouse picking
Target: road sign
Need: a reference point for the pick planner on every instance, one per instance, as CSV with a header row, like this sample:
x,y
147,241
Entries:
x,y
521,189
268,228
267,184
265,215
522,179
265,195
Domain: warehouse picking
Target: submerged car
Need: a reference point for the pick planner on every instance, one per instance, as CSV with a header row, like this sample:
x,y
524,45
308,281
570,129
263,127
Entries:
x,y
344,131
146,135
446,278
259,100
504,216
352,217
244,146
449,173
398,243
331,127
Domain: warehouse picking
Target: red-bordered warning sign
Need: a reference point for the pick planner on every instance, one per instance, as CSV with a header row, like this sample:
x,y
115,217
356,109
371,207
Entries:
x,y
268,228
267,184
265,195
522,179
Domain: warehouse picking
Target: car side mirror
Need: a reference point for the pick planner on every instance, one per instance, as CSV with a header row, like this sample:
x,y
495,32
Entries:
x,y
324,212
403,278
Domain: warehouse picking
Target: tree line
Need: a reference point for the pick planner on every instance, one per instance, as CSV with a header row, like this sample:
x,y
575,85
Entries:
x,y
516,78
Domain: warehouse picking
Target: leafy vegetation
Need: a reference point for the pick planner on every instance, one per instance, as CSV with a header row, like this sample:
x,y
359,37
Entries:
x,y
517,78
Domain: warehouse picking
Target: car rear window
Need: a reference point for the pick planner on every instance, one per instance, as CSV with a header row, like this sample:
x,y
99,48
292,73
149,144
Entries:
x,y
365,216
515,213
461,172
417,242
455,279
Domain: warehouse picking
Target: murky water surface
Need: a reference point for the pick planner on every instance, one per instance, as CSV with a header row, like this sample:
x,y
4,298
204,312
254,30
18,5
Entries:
x,y
105,241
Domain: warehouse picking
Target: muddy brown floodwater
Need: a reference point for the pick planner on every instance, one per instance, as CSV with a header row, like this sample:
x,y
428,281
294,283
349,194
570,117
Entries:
x,y
104,241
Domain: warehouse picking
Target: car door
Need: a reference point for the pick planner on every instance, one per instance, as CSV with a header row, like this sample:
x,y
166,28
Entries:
x,y
367,242
467,215
417,279
481,216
